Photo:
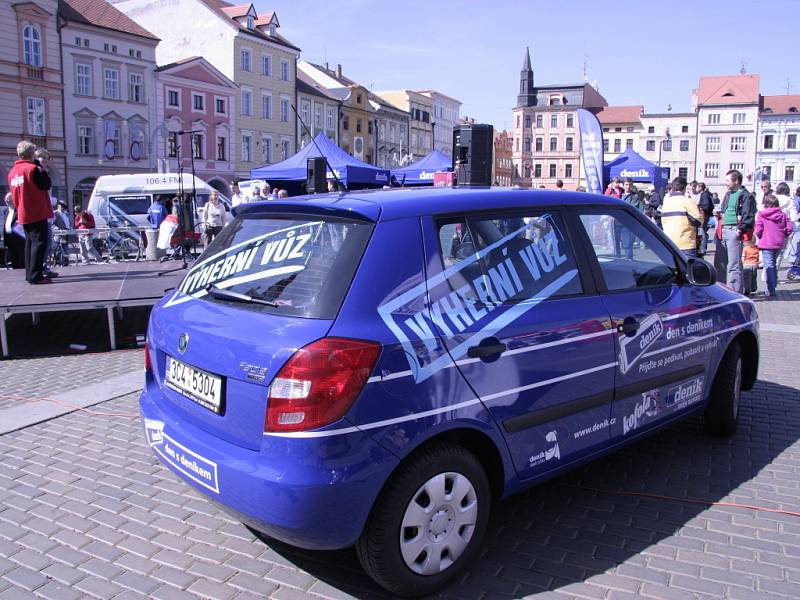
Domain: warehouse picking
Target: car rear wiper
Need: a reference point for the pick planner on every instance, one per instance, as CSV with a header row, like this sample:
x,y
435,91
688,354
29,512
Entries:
x,y
223,294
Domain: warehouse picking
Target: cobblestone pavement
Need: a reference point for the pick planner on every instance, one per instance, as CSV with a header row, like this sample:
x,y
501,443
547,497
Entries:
x,y
40,377
87,511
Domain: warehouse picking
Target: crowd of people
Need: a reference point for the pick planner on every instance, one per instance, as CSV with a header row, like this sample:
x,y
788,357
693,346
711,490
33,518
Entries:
x,y
747,233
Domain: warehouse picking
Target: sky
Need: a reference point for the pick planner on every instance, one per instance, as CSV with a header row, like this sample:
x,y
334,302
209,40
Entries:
x,y
638,52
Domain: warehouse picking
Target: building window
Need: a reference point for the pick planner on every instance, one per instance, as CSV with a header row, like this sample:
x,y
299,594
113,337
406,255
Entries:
x,y
617,145
332,120
135,87
739,118
32,41
527,144
539,121
628,143
553,120
198,102
83,79
570,123
527,170
552,169
537,170
317,116
737,166
768,141
617,129
606,129
738,143
569,144
711,170
629,129
358,125
284,70
284,110
667,143
222,144
266,106
527,121
266,65
85,140
285,149
766,172
112,145
568,170
247,147
605,145
684,129
712,144
247,103
553,144
36,116
197,145
518,121
788,173
172,144
651,145
713,119
245,60
173,98
219,106
111,83
305,112
539,144
683,172
791,141
266,149
516,140
346,125
684,145
651,129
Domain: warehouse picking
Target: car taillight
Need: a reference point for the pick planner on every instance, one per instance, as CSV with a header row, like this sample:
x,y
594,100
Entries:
x,y
148,365
319,383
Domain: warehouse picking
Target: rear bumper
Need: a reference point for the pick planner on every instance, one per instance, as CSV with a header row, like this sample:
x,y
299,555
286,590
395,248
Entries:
x,y
313,493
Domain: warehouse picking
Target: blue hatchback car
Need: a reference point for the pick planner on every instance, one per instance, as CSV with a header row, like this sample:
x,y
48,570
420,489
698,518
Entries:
x,y
376,369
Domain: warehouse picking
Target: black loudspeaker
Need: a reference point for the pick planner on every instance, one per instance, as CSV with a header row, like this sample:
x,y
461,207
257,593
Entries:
x,y
315,176
473,154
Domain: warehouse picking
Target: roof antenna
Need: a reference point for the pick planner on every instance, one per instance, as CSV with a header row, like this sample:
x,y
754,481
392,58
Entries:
x,y
788,86
585,70
321,153
743,69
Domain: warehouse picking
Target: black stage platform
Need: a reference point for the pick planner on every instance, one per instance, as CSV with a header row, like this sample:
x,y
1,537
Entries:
x,y
108,286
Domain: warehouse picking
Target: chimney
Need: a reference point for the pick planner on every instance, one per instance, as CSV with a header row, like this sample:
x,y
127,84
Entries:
x,y
339,70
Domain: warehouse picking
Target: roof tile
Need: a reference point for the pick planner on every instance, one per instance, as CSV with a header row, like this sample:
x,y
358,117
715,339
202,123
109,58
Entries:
x,y
101,14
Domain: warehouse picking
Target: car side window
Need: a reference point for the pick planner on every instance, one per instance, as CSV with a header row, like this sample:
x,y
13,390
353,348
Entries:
x,y
509,258
630,256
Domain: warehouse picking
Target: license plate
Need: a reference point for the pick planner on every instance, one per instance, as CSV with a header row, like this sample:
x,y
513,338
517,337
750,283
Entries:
x,y
196,384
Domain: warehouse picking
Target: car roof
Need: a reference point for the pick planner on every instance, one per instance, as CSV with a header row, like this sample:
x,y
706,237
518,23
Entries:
x,y
398,203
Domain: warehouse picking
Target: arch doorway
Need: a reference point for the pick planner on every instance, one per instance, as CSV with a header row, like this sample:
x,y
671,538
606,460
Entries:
x,y
82,192
220,186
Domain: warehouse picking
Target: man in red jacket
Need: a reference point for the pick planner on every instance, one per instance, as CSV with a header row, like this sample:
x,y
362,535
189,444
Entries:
x,y
29,184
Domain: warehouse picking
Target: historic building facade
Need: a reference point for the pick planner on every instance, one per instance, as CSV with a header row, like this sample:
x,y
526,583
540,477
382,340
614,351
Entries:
x,y
446,113
670,140
109,92
31,88
503,170
621,129
247,48
318,109
546,134
778,140
421,121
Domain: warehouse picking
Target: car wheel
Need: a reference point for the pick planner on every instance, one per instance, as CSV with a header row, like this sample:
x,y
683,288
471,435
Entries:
x,y
428,523
722,412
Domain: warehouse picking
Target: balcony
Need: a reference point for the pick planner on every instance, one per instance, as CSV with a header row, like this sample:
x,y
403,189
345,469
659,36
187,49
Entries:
x,y
35,72
39,141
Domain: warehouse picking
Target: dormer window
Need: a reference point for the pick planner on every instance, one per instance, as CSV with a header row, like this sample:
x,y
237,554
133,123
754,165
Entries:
x,y
273,29
250,22
792,109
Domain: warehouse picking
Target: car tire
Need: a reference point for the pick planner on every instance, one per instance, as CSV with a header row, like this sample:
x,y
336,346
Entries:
x,y
443,488
722,412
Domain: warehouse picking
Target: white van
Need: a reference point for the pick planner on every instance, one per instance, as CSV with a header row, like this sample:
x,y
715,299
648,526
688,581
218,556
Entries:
x,y
124,199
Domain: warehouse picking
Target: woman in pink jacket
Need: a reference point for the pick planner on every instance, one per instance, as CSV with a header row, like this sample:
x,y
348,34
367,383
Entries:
x,y
773,228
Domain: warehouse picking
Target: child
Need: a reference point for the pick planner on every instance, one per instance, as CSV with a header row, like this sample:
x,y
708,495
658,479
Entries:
x,y
750,262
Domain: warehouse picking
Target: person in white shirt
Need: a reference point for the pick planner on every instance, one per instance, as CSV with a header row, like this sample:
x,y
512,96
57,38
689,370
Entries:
x,y
214,218
237,197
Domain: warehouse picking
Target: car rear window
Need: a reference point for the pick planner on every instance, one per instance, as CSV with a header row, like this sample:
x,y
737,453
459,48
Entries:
x,y
301,265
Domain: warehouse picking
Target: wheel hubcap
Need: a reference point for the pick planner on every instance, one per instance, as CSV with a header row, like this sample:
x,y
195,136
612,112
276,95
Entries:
x,y
438,523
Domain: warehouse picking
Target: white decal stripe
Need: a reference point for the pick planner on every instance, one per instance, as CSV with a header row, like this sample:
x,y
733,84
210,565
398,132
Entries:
x,y
697,339
548,381
706,308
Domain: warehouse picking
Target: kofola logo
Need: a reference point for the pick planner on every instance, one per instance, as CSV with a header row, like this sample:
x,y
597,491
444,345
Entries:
x,y
469,303
633,348
643,411
273,254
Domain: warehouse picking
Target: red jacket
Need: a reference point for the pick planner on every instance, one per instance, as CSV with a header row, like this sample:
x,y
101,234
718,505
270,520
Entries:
x,y
84,220
31,201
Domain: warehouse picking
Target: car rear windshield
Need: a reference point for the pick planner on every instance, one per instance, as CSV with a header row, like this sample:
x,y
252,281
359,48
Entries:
x,y
290,265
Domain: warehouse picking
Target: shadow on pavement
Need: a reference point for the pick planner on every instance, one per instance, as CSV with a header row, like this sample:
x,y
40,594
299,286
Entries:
x,y
560,533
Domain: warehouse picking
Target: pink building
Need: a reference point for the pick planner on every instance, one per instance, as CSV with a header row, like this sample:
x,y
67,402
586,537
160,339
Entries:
x,y
195,107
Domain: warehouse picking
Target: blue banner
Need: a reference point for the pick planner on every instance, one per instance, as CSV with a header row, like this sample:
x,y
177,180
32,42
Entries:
x,y
591,150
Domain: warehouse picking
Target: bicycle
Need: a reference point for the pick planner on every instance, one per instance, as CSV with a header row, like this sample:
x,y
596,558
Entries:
x,y
119,246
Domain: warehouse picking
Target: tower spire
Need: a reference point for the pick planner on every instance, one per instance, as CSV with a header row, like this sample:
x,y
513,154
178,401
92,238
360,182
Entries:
x,y
527,95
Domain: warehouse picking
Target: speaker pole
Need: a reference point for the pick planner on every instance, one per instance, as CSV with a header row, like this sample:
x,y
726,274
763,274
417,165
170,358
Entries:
x,y
321,153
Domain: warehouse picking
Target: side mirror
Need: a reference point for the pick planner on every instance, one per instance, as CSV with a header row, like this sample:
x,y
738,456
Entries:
x,y
700,272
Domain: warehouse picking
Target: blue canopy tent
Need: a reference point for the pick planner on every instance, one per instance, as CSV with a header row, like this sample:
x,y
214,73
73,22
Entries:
x,y
630,164
421,172
350,171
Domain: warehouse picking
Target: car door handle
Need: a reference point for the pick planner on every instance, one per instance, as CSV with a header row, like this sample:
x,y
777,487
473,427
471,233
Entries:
x,y
628,327
483,351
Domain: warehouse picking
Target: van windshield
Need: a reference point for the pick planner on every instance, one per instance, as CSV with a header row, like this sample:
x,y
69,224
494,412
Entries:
x,y
291,265
130,205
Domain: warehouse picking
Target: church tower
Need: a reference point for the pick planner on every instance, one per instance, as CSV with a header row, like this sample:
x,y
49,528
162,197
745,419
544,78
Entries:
x,y
527,95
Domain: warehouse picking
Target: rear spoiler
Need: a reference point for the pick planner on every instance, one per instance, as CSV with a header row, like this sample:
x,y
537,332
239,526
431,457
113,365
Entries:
x,y
350,208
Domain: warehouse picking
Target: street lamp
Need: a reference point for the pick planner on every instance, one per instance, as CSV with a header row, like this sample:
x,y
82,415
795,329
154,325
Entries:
x,y
661,145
